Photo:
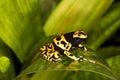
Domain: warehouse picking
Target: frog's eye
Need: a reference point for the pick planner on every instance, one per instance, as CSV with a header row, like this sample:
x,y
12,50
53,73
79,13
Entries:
x,y
80,34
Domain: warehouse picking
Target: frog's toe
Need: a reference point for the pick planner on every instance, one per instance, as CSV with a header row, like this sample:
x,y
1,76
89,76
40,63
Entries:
x,y
57,60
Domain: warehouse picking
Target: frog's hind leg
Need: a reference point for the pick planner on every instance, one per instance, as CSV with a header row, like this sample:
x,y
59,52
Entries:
x,y
54,57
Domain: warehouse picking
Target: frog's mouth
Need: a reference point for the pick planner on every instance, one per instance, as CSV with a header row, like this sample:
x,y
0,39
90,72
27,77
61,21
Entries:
x,y
78,41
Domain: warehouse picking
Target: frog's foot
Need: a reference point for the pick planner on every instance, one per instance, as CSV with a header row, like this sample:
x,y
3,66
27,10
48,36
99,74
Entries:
x,y
81,59
56,60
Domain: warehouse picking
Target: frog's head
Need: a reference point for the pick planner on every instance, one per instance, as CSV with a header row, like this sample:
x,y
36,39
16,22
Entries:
x,y
79,36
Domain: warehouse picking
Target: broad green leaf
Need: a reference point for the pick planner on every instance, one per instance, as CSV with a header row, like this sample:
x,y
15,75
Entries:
x,y
112,55
66,67
109,23
73,15
69,75
20,25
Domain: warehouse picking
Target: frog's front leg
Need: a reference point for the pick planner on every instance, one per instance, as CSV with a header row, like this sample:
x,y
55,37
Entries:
x,y
81,58
83,47
70,55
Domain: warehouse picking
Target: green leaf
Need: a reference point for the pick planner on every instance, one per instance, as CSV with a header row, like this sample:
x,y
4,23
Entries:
x,y
114,63
20,25
110,51
112,55
74,15
47,69
4,63
47,6
107,26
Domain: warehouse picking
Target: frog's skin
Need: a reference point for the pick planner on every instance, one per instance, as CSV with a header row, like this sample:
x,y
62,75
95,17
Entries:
x,y
62,44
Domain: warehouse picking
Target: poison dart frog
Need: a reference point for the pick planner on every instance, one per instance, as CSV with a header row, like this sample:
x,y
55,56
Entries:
x,y
62,44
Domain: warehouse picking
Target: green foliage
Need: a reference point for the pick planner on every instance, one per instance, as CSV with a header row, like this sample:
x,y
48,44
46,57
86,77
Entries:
x,y
75,15
18,18
114,63
109,23
26,25
6,63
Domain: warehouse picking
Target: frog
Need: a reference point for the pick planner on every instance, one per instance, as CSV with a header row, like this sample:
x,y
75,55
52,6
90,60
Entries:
x,y
62,44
